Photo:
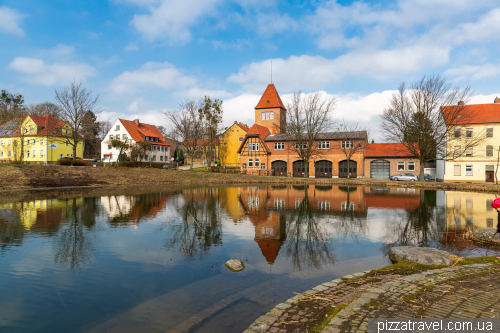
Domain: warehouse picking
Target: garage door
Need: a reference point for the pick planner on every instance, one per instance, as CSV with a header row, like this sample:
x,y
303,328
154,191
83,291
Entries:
x,y
380,169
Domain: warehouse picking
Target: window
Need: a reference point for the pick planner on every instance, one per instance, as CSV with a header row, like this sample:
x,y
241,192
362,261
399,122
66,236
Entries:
x,y
67,155
489,132
469,222
253,147
401,166
109,147
458,222
468,132
468,152
9,142
263,165
488,204
324,145
67,142
250,163
161,158
263,116
125,137
41,153
1,142
9,153
34,153
347,144
156,139
272,115
267,115
456,152
27,153
41,142
1,153
162,148
257,162
458,133
489,223
244,165
489,151
324,206
468,170
279,204
118,136
279,146
117,128
411,166
66,131
253,202
154,158
299,145
25,130
468,204
111,136
457,169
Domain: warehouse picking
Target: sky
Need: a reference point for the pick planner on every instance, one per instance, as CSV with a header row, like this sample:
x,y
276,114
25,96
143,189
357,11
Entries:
x,y
143,57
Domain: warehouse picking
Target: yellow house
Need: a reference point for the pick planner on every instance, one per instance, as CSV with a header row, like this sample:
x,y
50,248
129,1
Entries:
x,y
230,141
37,139
476,164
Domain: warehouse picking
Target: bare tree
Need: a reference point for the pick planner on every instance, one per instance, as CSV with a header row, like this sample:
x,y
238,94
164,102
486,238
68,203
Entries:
x,y
42,109
75,101
308,117
104,128
424,118
187,123
354,139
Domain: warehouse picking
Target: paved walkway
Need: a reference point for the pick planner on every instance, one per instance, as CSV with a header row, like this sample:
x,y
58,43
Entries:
x,y
454,292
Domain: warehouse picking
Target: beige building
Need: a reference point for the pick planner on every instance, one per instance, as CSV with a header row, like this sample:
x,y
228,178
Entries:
x,y
476,164
467,210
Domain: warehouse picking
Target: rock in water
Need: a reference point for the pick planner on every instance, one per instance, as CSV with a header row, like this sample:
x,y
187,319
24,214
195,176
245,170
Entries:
x,y
486,235
235,265
421,255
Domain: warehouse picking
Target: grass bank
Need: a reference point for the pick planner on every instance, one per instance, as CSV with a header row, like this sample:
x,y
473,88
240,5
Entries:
x,y
22,177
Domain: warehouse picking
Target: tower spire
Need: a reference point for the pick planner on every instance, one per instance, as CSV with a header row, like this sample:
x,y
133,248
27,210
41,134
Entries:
x,y
271,70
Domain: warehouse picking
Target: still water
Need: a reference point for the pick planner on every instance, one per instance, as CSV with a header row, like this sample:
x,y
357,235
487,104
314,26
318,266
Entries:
x,y
152,260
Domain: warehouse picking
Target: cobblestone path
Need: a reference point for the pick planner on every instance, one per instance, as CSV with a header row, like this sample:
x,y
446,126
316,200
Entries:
x,y
454,292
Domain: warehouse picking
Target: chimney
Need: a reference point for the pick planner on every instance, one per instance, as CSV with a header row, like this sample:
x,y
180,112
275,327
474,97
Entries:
x,y
136,121
235,122
497,100
461,103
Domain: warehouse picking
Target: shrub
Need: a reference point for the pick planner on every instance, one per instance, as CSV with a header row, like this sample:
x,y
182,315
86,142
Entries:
x,y
78,163
64,161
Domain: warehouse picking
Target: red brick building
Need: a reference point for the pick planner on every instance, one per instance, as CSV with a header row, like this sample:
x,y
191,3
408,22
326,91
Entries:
x,y
266,151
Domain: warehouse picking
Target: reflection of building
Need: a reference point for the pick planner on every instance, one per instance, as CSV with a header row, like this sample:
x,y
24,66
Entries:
x,y
392,198
270,235
466,210
42,212
133,208
229,200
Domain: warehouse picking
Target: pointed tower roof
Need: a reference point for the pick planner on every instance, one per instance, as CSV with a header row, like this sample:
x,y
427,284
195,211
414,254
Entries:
x,y
270,99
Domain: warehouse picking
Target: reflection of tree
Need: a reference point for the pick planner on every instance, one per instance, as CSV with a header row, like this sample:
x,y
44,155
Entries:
x,y
73,243
306,239
199,228
414,227
12,231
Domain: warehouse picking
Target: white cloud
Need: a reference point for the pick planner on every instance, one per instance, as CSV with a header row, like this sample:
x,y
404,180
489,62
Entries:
x,y
131,47
133,106
10,20
152,74
486,29
468,72
172,19
314,72
36,71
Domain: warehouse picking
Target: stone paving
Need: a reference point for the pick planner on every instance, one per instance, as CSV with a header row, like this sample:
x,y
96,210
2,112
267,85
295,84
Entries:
x,y
453,292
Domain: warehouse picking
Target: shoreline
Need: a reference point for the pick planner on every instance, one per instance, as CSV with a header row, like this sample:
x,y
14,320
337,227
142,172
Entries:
x,y
39,178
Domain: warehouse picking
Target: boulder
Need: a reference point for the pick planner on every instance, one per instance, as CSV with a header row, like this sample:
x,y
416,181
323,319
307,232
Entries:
x,y
235,265
488,235
421,255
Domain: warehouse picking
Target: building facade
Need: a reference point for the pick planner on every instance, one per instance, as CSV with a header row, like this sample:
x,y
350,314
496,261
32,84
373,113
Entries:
x,y
230,141
479,163
383,160
135,132
37,140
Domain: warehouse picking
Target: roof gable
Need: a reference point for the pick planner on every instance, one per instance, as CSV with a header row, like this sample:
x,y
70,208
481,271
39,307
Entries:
x,y
139,131
270,99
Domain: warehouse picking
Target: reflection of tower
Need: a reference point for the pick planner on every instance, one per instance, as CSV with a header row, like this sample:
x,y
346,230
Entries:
x,y
270,235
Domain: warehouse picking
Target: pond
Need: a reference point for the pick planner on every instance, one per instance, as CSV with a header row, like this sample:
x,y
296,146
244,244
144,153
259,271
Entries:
x,y
152,259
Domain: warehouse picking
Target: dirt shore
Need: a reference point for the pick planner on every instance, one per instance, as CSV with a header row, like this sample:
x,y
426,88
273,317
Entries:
x,y
50,177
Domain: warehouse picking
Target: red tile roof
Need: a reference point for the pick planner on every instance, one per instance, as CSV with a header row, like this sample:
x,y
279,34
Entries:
x,y
475,113
259,130
387,150
49,125
139,132
270,249
270,99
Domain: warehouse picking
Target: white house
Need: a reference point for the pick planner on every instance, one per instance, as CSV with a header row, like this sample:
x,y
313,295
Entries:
x,y
135,132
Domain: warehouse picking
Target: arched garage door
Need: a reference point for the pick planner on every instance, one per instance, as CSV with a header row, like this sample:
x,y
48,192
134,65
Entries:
x,y
299,168
323,169
279,168
380,169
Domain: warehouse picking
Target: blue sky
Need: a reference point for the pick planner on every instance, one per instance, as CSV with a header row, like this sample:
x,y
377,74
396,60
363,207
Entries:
x,y
144,56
